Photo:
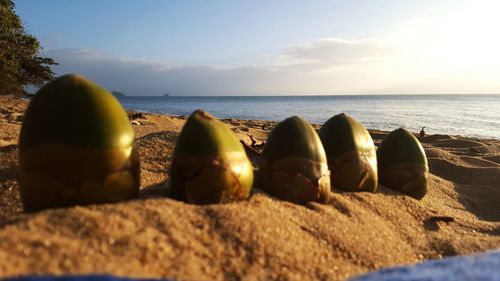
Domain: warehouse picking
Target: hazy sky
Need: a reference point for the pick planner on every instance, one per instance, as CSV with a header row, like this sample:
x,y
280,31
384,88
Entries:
x,y
273,47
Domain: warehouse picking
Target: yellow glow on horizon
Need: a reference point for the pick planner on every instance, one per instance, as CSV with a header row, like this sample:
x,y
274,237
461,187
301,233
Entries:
x,y
469,37
465,39
457,51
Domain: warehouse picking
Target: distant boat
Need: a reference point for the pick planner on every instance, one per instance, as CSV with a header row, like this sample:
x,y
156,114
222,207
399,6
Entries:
x,y
166,95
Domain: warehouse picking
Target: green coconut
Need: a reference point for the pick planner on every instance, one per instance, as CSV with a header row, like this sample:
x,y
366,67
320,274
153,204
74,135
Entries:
x,y
294,166
351,154
76,146
402,164
209,165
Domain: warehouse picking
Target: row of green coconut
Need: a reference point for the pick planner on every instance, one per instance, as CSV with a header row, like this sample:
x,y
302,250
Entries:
x,y
77,147
298,165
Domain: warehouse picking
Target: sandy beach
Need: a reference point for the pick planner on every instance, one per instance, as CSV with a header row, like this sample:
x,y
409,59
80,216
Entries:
x,y
262,238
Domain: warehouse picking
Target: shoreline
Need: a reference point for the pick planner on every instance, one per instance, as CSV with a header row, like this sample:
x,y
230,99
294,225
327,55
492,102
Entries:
x,y
259,238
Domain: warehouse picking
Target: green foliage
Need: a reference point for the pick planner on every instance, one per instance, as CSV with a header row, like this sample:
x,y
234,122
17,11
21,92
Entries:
x,y
19,64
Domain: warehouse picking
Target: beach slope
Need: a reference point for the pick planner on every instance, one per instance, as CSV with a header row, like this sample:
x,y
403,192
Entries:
x,y
258,239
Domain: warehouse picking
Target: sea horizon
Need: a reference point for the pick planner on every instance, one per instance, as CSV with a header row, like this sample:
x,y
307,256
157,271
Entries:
x,y
309,95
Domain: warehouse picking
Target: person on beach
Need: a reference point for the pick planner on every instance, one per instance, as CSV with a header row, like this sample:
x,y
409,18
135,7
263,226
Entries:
x,y
422,133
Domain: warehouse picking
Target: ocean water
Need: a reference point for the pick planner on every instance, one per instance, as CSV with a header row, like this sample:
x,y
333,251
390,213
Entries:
x,y
465,115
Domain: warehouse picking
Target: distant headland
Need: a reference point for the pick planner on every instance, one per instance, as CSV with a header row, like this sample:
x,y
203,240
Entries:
x,y
118,94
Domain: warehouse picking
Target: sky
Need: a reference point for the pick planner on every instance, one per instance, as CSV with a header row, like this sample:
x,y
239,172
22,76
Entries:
x,y
272,47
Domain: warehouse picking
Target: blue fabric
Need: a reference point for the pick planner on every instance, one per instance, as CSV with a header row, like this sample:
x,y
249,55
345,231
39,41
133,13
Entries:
x,y
484,267
79,278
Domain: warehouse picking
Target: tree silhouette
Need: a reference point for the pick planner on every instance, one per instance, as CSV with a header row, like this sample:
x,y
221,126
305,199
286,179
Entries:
x,y
19,64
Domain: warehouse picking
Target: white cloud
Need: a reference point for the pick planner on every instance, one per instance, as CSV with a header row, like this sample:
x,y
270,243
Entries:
x,y
336,51
322,67
142,77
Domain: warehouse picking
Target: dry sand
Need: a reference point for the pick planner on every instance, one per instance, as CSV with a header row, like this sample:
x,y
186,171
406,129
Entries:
x,y
258,239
